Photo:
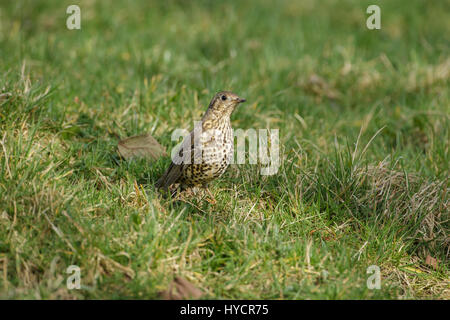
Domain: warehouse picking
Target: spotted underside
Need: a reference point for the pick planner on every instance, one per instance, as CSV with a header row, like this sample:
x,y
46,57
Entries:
x,y
216,154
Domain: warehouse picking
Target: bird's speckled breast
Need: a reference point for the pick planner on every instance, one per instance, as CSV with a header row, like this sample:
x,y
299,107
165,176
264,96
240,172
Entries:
x,y
217,152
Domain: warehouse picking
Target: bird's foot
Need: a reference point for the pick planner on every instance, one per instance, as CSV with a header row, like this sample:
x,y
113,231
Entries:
x,y
211,199
182,193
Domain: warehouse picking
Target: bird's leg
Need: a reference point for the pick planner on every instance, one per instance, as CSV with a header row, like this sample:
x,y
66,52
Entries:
x,y
176,192
212,200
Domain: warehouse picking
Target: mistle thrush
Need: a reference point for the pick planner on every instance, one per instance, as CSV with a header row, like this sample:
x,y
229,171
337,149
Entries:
x,y
206,152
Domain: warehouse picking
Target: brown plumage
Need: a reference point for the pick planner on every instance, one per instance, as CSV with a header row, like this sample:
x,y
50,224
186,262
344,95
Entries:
x,y
210,152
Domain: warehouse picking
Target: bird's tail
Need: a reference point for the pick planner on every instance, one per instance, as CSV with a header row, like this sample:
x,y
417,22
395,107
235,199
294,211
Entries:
x,y
169,177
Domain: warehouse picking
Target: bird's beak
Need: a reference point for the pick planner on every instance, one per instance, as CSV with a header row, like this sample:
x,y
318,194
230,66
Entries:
x,y
240,100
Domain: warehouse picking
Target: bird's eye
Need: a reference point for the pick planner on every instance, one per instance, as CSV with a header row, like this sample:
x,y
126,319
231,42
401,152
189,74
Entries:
x,y
224,97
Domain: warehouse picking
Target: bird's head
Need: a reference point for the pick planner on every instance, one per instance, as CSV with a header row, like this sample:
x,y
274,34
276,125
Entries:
x,y
225,102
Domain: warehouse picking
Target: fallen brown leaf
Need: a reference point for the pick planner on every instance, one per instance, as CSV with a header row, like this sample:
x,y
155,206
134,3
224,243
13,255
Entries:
x,y
180,289
321,88
141,146
5,96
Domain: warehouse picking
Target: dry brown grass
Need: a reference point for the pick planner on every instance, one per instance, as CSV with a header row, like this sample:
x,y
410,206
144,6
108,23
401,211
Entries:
x,y
407,198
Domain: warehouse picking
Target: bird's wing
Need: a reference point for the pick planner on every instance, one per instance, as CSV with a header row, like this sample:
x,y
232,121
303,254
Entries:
x,y
174,171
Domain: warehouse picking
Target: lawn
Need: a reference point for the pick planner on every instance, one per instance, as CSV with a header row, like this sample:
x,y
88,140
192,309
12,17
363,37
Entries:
x,y
363,118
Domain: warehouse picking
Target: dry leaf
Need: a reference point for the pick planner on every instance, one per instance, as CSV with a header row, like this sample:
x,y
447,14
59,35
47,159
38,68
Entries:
x,y
181,289
430,261
141,146
320,88
5,96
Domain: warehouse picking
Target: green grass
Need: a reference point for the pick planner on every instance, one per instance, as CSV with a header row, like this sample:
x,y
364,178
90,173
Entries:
x,y
364,127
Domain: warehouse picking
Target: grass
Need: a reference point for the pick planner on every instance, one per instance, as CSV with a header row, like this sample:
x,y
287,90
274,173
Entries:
x,y
364,129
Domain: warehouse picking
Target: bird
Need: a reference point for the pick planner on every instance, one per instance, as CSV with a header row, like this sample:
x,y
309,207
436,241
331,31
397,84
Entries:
x,y
207,151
